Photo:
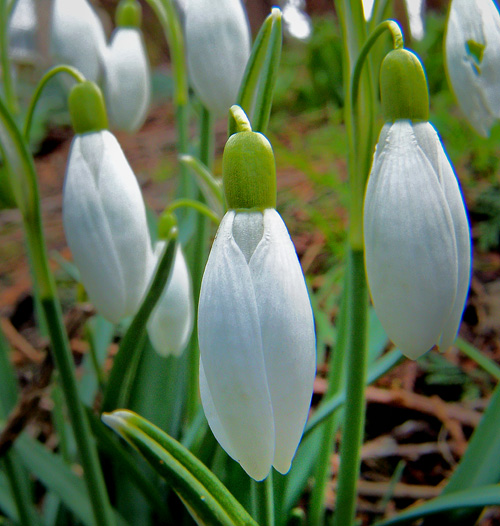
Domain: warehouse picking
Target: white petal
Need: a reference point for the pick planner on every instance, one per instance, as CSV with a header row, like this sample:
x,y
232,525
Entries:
x,y
127,84
288,337
171,322
476,83
218,47
105,223
77,36
410,249
231,350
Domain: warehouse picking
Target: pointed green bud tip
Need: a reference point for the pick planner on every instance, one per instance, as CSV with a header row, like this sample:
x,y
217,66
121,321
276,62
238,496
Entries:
x,y
128,14
403,87
87,108
167,226
248,168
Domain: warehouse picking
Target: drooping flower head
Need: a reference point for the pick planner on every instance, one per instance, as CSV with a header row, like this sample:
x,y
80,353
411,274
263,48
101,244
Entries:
x,y
77,37
417,239
218,47
104,215
472,52
127,84
255,322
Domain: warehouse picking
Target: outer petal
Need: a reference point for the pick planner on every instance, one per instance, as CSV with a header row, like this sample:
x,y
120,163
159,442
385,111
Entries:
x,y
218,47
410,249
430,143
288,337
77,36
233,360
476,83
171,322
105,223
127,83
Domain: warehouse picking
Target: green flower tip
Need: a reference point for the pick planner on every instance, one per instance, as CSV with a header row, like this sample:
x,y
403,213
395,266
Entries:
x,y
249,171
87,108
403,87
167,226
128,14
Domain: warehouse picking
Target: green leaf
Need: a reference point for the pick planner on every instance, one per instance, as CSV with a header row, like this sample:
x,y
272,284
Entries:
x,y
470,498
7,503
257,86
127,359
204,495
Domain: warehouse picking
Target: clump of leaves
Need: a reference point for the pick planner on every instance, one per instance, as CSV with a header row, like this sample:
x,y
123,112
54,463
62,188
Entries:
x,y
487,210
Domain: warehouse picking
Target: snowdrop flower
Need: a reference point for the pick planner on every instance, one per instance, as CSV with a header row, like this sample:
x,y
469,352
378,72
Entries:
x,y
472,52
127,85
22,31
104,215
416,233
218,46
77,36
255,322
171,322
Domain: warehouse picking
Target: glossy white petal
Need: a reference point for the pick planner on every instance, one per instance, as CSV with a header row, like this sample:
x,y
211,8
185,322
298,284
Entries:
x,y
77,36
233,360
217,47
430,143
288,337
105,224
410,246
171,322
472,51
127,84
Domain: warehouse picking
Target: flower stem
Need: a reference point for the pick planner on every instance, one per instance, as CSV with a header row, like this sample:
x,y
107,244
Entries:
x,y
198,260
73,72
8,83
357,310
263,496
196,205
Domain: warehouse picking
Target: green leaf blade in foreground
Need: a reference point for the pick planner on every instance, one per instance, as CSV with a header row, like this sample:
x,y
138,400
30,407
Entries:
x,y
470,498
205,496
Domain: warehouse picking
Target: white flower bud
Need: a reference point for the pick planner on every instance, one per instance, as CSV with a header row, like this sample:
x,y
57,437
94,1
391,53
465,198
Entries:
x,y
218,47
257,342
472,52
77,36
417,239
171,322
127,84
105,223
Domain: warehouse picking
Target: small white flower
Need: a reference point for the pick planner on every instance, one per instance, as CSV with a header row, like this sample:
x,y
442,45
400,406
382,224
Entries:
x,y
127,85
171,322
22,31
77,36
257,342
105,223
417,239
218,47
472,51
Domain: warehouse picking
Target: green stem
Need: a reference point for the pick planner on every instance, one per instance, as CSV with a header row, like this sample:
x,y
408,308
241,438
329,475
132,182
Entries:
x,y
69,70
268,501
357,305
198,260
474,354
335,385
196,205
8,83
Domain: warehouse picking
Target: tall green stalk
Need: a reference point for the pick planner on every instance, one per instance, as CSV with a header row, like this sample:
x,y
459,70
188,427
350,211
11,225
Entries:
x,y
197,265
8,81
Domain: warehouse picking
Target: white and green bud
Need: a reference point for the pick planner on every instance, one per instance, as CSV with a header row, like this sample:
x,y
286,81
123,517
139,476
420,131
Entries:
x,y
127,77
472,53
77,37
104,215
218,46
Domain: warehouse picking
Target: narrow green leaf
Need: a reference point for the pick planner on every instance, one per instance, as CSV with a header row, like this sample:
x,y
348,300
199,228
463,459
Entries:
x,y
197,486
470,498
378,369
7,503
127,359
